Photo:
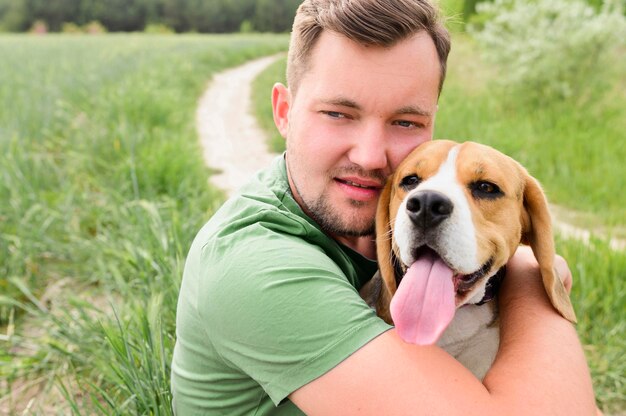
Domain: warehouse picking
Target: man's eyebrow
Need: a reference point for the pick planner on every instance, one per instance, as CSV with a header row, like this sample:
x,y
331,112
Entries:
x,y
343,102
346,102
413,110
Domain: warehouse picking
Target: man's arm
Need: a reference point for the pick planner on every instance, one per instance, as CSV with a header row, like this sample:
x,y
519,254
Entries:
x,y
540,367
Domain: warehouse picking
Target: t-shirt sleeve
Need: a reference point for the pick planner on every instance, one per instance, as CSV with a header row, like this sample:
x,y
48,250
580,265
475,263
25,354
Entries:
x,y
280,310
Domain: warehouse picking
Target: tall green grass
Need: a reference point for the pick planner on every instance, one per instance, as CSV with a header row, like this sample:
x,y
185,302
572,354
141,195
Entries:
x,y
102,188
599,297
262,102
576,149
577,152
578,155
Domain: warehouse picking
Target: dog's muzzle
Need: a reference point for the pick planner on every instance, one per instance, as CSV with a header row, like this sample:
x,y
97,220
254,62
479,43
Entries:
x,y
427,209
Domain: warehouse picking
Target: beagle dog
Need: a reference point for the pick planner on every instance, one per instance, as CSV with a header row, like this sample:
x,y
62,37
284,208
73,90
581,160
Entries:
x,y
448,221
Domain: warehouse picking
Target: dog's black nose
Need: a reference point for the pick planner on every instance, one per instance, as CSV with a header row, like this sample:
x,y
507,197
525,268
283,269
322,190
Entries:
x,y
427,209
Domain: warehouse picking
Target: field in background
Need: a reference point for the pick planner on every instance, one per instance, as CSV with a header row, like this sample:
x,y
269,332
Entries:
x,y
577,152
578,155
102,188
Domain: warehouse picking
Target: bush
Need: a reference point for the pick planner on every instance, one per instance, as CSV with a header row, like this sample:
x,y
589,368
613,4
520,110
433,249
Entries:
x,y
94,28
39,27
549,50
158,28
71,28
246,27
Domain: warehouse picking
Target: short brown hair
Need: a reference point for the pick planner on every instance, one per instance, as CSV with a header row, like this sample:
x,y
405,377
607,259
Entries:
x,y
368,22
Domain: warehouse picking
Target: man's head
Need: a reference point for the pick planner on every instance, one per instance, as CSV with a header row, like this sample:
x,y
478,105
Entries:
x,y
367,22
363,103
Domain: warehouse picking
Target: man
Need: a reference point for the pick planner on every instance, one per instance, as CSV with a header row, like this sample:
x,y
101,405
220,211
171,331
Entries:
x,y
269,318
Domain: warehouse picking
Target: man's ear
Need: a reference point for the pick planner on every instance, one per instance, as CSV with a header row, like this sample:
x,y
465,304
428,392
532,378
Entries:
x,y
281,101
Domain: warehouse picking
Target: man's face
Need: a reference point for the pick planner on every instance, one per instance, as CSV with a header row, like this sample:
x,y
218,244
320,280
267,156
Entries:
x,y
358,111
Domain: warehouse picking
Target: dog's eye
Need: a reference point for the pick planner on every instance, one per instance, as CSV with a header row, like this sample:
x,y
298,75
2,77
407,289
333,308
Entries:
x,y
484,189
410,182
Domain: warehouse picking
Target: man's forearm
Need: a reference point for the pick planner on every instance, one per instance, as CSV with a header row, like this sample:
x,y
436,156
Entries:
x,y
540,355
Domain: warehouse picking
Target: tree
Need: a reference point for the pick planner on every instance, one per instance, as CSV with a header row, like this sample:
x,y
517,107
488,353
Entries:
x,y
13,15
54,13
121,15
274,15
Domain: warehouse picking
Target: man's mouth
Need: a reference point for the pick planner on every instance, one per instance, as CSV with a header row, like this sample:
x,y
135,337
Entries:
x,y
365,184
360,189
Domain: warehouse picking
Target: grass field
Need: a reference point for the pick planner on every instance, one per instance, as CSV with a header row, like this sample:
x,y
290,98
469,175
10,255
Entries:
x,y
102,188
577,153
578,159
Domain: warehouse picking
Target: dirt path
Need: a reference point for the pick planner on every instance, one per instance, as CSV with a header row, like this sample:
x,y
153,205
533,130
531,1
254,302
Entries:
x,y
235,145
232,141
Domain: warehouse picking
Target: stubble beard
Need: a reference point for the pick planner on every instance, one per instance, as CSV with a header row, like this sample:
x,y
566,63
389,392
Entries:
x,y
333,223
330,217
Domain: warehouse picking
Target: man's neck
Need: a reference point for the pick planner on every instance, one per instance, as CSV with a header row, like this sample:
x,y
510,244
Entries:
x,y
366,245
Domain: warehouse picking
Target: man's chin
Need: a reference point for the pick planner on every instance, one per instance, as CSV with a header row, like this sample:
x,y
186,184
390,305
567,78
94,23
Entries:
x,y
356,232
342,217
346,226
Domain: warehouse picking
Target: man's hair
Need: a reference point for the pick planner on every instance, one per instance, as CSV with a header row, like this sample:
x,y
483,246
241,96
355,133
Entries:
x,y
367,22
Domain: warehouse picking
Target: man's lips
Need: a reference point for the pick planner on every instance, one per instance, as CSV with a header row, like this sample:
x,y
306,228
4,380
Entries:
x,y
360,182
360,188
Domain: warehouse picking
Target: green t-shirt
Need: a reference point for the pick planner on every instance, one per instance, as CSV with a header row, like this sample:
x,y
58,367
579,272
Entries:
x,y
267,304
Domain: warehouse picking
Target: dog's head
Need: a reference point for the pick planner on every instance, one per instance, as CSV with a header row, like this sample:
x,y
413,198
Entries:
x,y
448,220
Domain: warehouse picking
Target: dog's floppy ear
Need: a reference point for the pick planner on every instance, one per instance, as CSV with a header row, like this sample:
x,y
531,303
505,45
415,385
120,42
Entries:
x,y
537,232
384,253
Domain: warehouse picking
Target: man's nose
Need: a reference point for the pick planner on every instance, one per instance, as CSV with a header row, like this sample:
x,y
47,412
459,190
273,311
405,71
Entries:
x,y
369,149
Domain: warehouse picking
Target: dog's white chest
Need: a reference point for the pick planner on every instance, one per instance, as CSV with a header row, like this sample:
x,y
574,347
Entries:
x,y
473,338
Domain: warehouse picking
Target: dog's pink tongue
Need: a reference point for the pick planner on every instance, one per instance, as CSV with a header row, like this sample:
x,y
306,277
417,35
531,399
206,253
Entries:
x,y
423,306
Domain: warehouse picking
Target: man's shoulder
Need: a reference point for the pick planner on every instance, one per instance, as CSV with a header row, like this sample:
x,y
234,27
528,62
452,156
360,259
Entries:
x,y
244,220
251,232
267,201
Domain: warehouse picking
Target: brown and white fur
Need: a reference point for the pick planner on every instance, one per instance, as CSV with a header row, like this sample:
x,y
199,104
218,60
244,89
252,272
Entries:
x,y
494,206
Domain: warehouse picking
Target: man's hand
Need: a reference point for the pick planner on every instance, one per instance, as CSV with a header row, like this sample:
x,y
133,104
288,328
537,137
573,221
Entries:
x,y
524,259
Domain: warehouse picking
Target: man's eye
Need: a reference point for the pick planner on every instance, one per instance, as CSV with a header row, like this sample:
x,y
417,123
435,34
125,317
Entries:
x,y
407,124
334,114
485,189
410,182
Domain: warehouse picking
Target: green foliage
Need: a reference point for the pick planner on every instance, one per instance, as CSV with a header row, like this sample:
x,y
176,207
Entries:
x,y
94,28
550,49
39,27
102,188
71,28
158,28
469,8
576,152
262,103
599,298
274,15
246,27
579,160
215,16
14,15
452,12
